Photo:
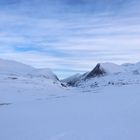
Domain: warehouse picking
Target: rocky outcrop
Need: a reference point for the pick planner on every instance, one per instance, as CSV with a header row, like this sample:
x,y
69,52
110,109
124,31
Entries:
x,y
97,71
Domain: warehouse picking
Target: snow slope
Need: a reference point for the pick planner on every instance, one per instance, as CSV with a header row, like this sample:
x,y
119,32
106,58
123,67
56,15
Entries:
x,y
8,67
13,67
21,88
112,113
111,68
132,68
44,73
39,108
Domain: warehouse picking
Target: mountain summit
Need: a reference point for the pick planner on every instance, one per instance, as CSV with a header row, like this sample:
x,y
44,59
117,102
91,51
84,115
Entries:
x,y
105,73
97,71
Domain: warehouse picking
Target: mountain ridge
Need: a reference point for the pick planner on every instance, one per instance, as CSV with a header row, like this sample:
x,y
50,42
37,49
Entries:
x,y
10,67
102,73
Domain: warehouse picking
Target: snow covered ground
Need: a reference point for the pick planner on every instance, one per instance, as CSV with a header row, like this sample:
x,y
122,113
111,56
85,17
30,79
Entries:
x,y
34,105
40,110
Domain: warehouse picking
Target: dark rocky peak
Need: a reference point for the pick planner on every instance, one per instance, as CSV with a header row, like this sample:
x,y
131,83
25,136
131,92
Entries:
x,y
97,71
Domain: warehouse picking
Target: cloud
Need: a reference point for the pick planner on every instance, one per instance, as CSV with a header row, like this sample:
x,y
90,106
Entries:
x,y
68,34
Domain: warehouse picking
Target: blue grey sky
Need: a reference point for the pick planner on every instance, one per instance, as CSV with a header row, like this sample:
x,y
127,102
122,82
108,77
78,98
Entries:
x,y
70,36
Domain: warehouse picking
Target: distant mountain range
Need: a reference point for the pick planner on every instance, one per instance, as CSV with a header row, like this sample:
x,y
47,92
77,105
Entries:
x,y
106,74
103,74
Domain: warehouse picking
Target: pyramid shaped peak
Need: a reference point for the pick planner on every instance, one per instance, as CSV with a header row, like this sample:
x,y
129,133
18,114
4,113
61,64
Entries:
x,y
97,71
98,65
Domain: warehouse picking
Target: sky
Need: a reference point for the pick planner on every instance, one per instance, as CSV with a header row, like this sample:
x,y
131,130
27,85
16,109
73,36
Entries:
x,y
70,36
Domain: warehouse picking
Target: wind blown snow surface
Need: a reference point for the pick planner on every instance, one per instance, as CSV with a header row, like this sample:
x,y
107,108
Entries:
x,y
36,108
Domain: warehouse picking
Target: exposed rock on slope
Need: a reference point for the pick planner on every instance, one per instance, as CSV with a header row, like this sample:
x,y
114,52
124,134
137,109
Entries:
x,y
72,80
97,71
106,73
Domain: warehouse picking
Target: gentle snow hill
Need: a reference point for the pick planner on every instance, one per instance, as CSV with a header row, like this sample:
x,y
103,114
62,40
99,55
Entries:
x,y
132,68
8,67
43,73
13,67
111,68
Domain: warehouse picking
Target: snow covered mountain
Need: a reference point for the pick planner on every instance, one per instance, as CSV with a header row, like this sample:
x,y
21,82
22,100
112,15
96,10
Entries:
x,y
35,106
132,68
8,67
105,74
43,73
13,67
72,79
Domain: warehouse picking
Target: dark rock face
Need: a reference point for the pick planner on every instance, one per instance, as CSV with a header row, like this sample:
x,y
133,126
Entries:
x,y
71,83
97,71
74,81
